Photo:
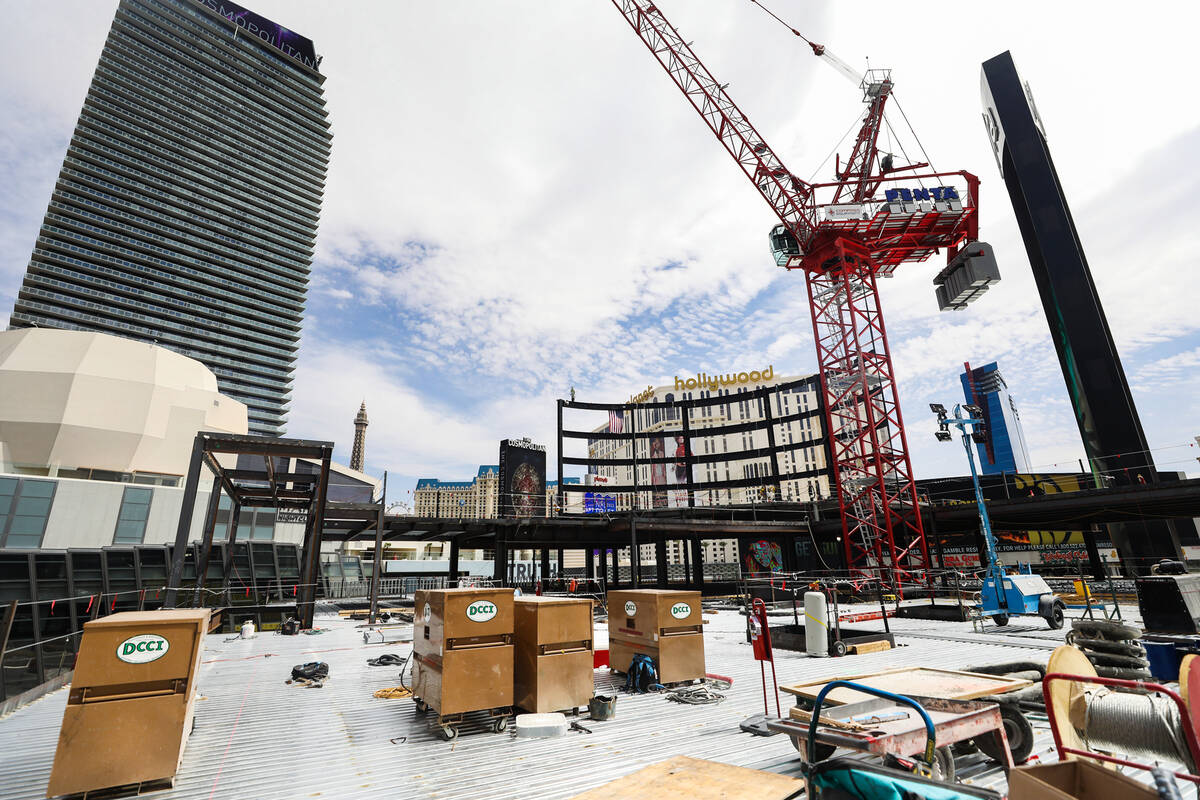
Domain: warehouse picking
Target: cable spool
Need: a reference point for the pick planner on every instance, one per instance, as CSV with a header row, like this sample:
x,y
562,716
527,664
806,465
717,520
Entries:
x,y
1144,726
1140,725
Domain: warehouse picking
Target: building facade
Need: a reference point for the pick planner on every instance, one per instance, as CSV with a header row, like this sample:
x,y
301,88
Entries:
x,y
473,499
804,439
186,210
1005,449
805,436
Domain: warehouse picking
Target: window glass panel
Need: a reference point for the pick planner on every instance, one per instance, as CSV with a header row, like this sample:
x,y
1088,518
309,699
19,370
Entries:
x,y
131,520
129,531
37,489
262,532
23,540
33,506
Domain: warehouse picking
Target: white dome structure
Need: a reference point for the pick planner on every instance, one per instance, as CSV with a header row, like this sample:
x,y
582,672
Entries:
x,y
76,400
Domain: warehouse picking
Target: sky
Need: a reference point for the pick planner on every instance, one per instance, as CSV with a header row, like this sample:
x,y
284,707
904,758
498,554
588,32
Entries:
x,y
520,202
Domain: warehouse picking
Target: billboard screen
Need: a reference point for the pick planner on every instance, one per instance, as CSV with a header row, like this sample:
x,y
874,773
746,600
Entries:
x,y
522,478
288,42
663,476
596,503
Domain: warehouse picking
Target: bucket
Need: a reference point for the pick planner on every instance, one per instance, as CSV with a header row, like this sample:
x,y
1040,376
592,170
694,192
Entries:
x,y
601,707
1164,660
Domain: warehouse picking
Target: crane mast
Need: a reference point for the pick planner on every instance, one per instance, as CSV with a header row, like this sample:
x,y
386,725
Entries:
x,y
842,246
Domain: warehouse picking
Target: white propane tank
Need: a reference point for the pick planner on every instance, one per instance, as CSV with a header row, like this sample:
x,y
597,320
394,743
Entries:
x,y
816,632
248,631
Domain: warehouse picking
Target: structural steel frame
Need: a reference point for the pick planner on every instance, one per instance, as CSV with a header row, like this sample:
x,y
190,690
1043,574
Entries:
x,y
254,488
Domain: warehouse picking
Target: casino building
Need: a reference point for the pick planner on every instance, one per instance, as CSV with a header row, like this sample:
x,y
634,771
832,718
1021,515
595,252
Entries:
x,y
186,209
800,447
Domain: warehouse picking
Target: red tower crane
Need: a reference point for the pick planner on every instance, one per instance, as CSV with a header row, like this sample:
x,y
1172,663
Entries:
x,y
844,236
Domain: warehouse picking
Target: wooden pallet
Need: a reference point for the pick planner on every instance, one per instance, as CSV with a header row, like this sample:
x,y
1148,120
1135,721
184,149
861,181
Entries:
x,y
684,778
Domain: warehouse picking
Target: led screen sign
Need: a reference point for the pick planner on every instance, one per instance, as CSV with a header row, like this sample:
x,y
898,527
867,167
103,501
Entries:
x,y
279,37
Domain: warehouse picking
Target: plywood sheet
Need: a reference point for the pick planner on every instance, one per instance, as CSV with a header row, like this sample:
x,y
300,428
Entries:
x,y
684,778
923,681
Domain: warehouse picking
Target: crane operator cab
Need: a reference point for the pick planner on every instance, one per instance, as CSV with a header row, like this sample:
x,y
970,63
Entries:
x,y
784,247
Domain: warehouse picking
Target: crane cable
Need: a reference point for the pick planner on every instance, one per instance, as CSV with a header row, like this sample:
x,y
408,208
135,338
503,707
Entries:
x,y
810,43
819,49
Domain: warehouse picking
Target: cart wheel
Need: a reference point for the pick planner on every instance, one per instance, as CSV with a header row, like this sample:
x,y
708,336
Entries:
x,y
1000,619
449,733
1019,733
1055,617
824,751
839,648
943,765
420,705
500,724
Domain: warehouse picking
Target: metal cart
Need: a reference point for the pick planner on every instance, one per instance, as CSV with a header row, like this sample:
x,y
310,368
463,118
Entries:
x,y
895,727
861,780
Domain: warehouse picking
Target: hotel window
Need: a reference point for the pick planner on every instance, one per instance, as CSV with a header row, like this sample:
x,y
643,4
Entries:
x,y
24,508
135,511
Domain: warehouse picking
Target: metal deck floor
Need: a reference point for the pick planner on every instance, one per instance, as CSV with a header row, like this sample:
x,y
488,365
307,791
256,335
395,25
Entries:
x,y
256,737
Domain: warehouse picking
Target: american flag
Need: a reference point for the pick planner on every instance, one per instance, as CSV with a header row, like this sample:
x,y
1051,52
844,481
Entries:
x,y
616,422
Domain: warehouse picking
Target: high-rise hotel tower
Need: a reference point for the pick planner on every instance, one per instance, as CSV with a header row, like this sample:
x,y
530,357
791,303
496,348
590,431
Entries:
x,y
186,210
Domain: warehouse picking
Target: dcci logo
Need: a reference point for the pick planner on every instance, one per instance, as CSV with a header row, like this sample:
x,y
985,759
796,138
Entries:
x,y
681,611
143,648
481,611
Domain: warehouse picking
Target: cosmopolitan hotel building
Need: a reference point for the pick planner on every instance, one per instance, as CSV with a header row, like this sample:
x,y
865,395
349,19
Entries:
x,y
800,448
186,209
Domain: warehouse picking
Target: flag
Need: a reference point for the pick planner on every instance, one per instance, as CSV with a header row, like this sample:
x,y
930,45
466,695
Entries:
x,y
616,422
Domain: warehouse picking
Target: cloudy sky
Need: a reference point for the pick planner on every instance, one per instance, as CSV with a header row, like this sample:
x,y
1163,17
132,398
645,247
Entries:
x,y
520,201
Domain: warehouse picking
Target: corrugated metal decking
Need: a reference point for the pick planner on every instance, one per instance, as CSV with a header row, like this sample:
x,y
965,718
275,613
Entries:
x,y
257,737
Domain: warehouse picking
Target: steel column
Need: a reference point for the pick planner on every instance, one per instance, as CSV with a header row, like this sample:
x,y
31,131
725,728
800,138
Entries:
x,y
500,559
377,567
454,556
235,517
660,558
311,558
206,541
183,530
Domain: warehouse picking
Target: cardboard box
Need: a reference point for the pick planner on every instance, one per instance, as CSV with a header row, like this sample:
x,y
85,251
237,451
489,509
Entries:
x,y
1077,779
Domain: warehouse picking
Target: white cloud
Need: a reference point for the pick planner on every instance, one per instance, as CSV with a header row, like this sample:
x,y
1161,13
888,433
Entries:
x,y
519,201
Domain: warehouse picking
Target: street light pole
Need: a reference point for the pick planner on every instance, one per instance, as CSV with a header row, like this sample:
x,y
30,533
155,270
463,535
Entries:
x,y
970,416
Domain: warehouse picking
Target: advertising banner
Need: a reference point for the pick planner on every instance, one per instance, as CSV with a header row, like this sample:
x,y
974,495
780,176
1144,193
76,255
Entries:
x,y
522,478
665,475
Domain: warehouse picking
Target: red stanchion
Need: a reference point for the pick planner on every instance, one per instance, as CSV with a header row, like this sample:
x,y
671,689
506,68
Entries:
x,y
760,640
